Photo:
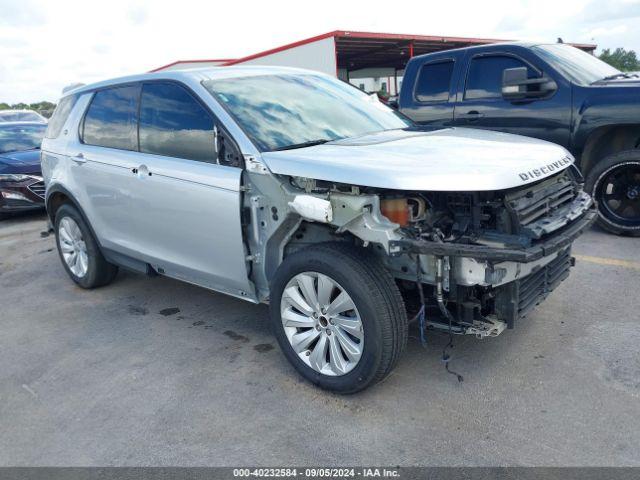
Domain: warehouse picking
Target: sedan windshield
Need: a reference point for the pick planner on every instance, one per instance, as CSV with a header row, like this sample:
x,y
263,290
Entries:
x,y
292,110
581,67
18,137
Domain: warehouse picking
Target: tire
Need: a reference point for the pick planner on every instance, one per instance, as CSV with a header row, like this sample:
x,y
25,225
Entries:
x,y
381,334
614,183
95,271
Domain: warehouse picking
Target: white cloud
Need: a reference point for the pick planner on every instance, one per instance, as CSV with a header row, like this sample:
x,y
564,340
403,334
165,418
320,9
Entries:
x,y
607,32
47,45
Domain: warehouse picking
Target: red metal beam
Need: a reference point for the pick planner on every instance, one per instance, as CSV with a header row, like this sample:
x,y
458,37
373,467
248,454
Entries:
x,y
402,36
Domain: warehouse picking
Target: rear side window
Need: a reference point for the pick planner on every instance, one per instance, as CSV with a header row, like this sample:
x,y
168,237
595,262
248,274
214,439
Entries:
x,y
434,82
60,115
111,118
484,79
174,124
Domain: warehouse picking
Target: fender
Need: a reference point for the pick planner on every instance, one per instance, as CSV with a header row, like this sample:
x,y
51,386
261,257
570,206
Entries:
x,y
603,107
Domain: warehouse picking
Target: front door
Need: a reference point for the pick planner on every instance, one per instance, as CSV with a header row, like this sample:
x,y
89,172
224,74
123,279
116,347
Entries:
x,y
481,105
188,203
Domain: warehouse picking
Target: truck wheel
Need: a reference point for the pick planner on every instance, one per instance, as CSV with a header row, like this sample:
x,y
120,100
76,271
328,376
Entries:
x,y
79,251
614,183
338,316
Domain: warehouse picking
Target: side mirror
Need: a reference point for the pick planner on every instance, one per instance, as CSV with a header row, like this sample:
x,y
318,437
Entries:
x,y
516,85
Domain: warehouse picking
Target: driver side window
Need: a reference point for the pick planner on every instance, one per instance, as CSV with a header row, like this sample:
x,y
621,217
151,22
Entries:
x,y
484,78
174,124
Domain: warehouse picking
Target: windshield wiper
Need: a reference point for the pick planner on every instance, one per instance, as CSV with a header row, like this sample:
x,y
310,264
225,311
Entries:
x,y
309,143
618,75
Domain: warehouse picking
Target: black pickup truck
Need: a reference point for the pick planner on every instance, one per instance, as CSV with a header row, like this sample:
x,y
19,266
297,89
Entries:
x,y
554,92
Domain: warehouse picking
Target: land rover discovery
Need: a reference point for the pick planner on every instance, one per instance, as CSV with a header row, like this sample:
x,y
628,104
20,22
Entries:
x,y
293,188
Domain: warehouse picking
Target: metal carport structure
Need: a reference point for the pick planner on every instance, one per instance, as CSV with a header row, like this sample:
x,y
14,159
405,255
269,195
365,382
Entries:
x,y
351,54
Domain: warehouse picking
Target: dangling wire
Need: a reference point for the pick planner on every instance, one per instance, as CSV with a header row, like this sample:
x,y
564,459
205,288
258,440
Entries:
x,y
421,313
446,358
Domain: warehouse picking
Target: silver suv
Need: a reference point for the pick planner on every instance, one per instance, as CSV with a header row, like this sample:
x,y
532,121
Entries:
x,y
294,188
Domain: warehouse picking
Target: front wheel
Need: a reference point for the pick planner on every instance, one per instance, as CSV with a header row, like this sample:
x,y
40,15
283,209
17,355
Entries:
x,y
338,316
614,183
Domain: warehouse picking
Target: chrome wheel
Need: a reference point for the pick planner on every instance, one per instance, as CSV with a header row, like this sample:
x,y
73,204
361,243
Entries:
x,y
322,323
73,247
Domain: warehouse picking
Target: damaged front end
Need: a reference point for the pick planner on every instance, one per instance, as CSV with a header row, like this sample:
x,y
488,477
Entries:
x,y
469,262
488,258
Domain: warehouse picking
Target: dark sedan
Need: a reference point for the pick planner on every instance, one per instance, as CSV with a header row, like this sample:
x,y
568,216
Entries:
x,y
21,185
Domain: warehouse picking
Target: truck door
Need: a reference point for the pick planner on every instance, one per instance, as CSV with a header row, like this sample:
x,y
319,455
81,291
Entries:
x,y
431,100
480,103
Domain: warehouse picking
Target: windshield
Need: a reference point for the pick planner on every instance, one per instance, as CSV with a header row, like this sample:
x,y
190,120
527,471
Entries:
x,y
580,66
14,138
20,117
287,110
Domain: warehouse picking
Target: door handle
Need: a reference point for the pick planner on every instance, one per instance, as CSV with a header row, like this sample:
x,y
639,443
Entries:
x,y
473,115
141,170
79,158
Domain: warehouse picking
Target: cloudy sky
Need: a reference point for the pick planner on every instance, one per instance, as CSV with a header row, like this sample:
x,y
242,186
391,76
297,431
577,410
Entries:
x,y
45,45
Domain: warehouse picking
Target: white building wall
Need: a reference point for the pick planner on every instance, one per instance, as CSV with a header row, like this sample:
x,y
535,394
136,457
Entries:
x,y
319,55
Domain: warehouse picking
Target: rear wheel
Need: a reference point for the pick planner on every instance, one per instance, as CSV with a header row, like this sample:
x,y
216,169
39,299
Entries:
x,y
338,317
614,183
79,251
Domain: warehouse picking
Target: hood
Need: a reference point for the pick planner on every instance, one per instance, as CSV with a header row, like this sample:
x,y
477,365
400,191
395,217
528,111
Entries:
x,y
20,162
452,159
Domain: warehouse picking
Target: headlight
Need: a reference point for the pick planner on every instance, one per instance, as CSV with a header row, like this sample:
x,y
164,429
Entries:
x,y
14,177
14,196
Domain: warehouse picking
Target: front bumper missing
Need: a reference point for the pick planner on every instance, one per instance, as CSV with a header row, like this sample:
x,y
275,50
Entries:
x,y
560,240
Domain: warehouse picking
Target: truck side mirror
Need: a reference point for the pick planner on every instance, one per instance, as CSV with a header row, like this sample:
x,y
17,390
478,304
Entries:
x,y
516,85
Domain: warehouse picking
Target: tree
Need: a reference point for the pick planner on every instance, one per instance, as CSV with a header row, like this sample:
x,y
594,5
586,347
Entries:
x,y
624,60
44,108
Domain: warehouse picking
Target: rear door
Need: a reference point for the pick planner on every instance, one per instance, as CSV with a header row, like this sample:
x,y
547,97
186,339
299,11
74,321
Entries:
x,y
188,192
480,103
101,159
431,98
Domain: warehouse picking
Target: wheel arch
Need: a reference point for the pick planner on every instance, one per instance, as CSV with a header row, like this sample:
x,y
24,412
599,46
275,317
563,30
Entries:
x,y
608,140
57,196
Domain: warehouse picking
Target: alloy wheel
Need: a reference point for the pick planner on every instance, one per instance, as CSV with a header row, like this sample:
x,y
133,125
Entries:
x,y
322,323
73,247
